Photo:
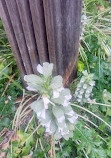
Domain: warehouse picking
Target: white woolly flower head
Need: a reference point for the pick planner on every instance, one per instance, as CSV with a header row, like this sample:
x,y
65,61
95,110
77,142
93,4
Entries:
x,y
68,97
73,119
56,92
46,101
61,119
71,113
65,103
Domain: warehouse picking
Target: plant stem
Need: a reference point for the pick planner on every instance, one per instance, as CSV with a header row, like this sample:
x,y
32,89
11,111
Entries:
x,y
54,152
80,107
32,133
42,147
7,76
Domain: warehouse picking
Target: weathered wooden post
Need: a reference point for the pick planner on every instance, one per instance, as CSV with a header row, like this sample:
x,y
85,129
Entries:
x,y
43,30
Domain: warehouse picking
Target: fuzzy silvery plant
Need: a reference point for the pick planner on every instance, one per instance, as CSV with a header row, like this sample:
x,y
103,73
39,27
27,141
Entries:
x,y
84,89
53,108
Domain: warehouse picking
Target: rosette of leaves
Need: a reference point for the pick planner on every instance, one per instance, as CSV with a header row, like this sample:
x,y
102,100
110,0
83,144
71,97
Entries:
x,y
53,108
83,92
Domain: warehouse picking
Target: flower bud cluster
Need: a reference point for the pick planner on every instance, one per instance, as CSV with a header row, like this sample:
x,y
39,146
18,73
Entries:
x,y
84,21
84,89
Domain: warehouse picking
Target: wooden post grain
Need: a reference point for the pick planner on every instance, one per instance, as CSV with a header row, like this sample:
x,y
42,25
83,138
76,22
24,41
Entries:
x,y
11,36
62,19
43,30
